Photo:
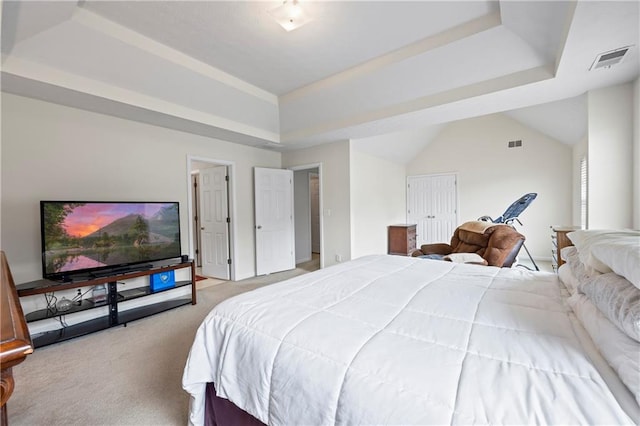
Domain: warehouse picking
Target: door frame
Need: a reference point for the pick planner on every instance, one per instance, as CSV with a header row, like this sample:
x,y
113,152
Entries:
x,y
320,203
195,204
231,168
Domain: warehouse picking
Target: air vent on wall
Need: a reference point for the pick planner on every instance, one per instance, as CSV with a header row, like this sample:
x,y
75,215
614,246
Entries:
x,y
515,144
607,59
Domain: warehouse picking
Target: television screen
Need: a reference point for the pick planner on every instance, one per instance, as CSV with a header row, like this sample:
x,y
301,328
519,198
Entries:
x,y
89,236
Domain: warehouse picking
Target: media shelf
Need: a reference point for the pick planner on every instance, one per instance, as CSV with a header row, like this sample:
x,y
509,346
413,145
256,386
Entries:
x,y
69,332
54,313
148,310
114,298
134,293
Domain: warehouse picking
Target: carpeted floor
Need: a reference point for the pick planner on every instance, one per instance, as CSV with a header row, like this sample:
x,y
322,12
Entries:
x,y
309,266
121,376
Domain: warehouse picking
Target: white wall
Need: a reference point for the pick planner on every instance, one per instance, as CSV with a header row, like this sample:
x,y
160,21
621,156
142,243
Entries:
x,y
610,161
334,158
492,176
636,154
55,152
378,199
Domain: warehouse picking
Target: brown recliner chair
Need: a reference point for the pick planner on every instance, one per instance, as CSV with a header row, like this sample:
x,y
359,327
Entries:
x,y
497,244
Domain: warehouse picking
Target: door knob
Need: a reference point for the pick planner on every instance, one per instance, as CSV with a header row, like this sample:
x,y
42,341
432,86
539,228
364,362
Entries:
x,y
259,227
202,228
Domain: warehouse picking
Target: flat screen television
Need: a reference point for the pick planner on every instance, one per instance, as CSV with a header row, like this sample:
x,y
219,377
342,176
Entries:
x,y
94,237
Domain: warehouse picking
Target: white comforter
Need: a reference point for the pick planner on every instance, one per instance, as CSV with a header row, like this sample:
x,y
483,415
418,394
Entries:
x,y
398,340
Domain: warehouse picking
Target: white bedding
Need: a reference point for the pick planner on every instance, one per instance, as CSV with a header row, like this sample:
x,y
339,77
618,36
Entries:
x,y
399,340
620,351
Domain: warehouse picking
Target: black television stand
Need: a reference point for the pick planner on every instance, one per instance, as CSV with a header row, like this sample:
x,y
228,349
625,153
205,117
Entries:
x,y
115,297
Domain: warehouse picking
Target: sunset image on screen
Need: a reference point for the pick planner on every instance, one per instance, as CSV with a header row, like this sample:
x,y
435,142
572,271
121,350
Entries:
x,y
87,219
88,235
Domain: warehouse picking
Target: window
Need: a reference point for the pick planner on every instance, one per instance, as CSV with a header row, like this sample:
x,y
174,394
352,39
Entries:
x,y
583,192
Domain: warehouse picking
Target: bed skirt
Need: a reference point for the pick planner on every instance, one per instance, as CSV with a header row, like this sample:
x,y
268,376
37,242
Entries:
x,y
222,412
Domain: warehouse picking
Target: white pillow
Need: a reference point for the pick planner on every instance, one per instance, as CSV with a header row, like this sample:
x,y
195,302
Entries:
x,y
578,269
617,299
623,257
465,258
585,239
567,278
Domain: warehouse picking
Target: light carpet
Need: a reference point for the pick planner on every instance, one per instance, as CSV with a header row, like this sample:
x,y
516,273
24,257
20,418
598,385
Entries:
x,y
123,375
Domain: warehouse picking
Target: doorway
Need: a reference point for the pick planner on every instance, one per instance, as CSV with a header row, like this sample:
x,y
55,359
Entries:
x,y
211,207
307,190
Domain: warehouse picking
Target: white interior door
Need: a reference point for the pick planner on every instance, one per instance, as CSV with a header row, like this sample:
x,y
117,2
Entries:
x,y
444,207
432,205
418,207
214,225
274,226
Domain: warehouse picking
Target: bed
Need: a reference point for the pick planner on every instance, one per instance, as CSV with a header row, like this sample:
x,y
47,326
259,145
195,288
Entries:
x,y
399,340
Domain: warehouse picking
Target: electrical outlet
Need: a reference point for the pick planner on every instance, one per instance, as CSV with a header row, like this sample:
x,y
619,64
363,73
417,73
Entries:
x,y
338,258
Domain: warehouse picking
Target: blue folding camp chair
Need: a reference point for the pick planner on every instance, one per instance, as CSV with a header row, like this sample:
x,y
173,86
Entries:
x,y
511,215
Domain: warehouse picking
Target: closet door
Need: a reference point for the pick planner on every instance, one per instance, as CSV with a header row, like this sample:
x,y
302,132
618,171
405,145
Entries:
x,y
432,206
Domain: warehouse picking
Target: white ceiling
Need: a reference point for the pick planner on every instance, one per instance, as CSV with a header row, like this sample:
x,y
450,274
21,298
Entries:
x,y
360,70
241,39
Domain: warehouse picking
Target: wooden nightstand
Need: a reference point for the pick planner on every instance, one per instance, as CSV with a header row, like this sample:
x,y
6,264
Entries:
x,y
559,241
402,239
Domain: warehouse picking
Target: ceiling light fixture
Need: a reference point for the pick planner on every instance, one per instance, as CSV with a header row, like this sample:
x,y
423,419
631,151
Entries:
x,y
290,15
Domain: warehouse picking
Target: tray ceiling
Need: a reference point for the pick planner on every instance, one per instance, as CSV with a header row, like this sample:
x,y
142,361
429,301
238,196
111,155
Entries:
x,y
358,70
